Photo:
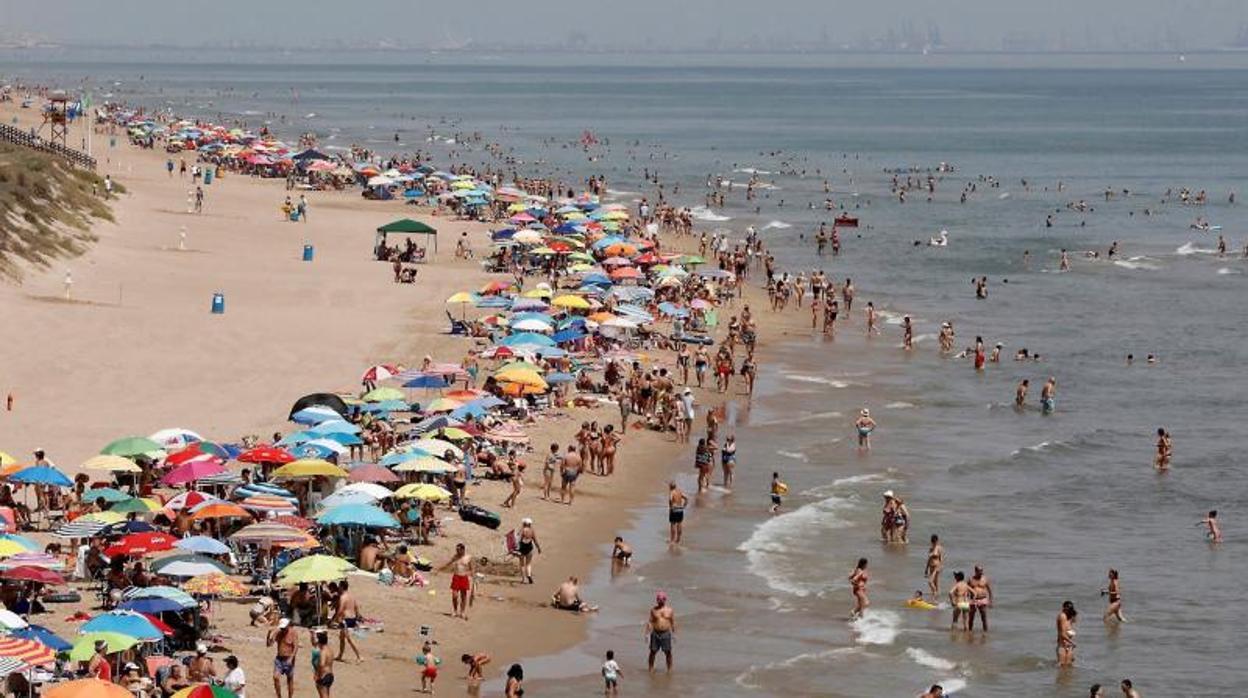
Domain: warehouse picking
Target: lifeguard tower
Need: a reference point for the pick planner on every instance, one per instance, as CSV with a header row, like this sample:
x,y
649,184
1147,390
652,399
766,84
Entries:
x,y
56,118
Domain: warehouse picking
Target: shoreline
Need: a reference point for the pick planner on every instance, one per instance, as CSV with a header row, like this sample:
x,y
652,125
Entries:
x,y
574,540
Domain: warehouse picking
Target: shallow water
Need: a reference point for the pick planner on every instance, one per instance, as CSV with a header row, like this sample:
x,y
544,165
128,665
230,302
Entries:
x,y
1047,504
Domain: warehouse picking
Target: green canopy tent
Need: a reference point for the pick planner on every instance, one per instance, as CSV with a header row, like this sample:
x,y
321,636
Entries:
x,y
404,226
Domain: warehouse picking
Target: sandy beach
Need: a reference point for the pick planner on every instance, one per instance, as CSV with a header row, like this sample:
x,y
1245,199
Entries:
x,y
135,349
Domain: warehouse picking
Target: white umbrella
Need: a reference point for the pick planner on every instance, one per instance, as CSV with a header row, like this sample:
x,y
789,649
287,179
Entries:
x,y
372,489
531,325
175,438
380,181
10,620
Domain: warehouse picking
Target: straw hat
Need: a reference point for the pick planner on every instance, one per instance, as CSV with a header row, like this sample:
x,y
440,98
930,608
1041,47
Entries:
x,y
865,412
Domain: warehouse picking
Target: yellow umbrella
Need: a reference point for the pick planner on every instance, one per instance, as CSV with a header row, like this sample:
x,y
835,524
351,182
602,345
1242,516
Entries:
x,y
422,491
309,467
6,459
616,216
104,517
570,301
461,297
423,464
314,569
9,548
443,404
383,395
537,293
524,377
542,250
115,464
455,434
573,216
517,208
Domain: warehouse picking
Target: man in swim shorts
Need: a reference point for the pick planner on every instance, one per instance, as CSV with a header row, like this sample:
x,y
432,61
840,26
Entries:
x,y
981,600
660,627
287,642
676,502
461,580
572,466
1048,396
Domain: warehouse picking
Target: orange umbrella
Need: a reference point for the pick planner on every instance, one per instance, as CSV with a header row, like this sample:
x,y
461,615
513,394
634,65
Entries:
x,y
220,510
87,688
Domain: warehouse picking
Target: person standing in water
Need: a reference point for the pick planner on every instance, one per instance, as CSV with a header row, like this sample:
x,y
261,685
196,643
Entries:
x,y
960,599
1165,448
1066,634
778,490
858,579
935,563
660,627
728,460
1212,530
676,503
981,601
907,329
865,425
1113,591
1020,394
1048,396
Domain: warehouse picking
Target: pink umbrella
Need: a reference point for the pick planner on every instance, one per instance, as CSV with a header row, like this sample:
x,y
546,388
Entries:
x,y
192,471
616,261
523,218
371,472
700,304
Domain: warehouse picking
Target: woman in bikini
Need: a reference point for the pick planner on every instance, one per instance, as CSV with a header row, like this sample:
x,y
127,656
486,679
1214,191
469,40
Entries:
x,y
582,442
594,441
728,460
1066,634
610,442
858,586
1114,591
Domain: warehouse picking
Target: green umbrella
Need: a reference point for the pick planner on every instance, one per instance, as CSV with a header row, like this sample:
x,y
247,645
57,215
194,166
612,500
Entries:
x,y
313,569
84,647
131,446
383,394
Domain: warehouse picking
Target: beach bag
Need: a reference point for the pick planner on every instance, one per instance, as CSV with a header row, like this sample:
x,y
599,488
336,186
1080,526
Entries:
x,y
479,516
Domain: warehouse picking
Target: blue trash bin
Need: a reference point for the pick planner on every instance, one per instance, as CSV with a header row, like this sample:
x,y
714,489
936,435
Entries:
x,y
207,175
308,252
218,303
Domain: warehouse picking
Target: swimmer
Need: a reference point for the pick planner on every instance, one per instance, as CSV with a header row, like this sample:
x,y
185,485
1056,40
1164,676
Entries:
x,y
1212,530
936,691
858,587
865,425
1165,448
907,328
1064,263
1048,396
1113,590
960,599
1066,634
1020,393
1128,690
935,563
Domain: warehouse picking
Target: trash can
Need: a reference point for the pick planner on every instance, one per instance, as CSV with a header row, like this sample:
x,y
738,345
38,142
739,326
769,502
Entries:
x,y
308,252
218,303
112,142
208,175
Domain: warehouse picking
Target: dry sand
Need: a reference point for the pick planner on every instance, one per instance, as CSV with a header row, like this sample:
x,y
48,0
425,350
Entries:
x,y
136,349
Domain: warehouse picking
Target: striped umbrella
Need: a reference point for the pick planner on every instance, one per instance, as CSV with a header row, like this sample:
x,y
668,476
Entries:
x,y
8,665
267,532
78,528
266,503
32,559
26,651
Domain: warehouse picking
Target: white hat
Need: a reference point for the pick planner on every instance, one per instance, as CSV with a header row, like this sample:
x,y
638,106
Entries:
x,y
201,648
865,412
283,623
888,494
526,521
688,391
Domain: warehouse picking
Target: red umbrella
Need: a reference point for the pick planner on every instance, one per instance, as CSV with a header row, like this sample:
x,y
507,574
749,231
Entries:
x,y
28,573
141,544
192,471
294,521
380,372
266,454
371,472
164,628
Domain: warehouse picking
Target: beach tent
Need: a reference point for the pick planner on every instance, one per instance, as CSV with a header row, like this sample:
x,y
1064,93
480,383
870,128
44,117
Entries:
x,y
404,226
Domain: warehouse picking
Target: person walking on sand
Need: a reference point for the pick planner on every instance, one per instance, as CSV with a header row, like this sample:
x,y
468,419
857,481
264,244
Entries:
x,y
1113,590
462,567
676,503
858,579
322,663
347,617
569,472
526,544
611,675
287,642
553,463
429,668
660,629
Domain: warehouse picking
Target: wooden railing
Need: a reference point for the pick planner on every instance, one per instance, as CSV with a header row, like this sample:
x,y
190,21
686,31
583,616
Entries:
x,y
17,136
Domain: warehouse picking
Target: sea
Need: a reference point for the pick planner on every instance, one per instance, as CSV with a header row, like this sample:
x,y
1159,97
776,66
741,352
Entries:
x,y
1046,503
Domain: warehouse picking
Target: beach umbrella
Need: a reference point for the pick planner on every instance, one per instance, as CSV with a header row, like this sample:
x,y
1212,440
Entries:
x,y
26,543
328,400
79,529
9,548
123,623
335,426
189,500
268,504
266,454
204,690
314,415
161,592
308,469
442,404
268,533
215,585
41,475
43,636
218,510
379,372
423,492
131,446
28,573
381,394
522,376
341,498
357,515
6,459
531,325
314,569
200,449
141,544
203,545
88,688
110,463
136,505
334,443
10,620
151,606
524,338
436,447
571,302
122,527
187,565
191,471
528,304
374,491
424,464
175,438
84,649
110,495
371,472
427,381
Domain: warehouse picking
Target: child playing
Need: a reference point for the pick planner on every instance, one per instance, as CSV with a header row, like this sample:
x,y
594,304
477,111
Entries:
x,y
611,674
429,669
778,489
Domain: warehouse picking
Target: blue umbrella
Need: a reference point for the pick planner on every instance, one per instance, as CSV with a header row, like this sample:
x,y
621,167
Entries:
x,y
554,378
504,234
596,280
314,415
467,410
669,309
488,401
151,606
336,426
110,495
393,459
41,475
202,544
124,622
527,338
312,451
357,515
428,381
493,302
296,437
574,321
531,315
42,635
341,499
568,336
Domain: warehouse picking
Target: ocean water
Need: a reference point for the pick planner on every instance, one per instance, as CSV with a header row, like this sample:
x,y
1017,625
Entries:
x,y
1046,504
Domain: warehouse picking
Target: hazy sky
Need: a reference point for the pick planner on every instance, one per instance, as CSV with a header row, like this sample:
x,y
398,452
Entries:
x,y
980,23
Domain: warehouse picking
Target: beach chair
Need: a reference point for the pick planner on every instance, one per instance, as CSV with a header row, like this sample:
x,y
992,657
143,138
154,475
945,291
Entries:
x,y
511,545
457,326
